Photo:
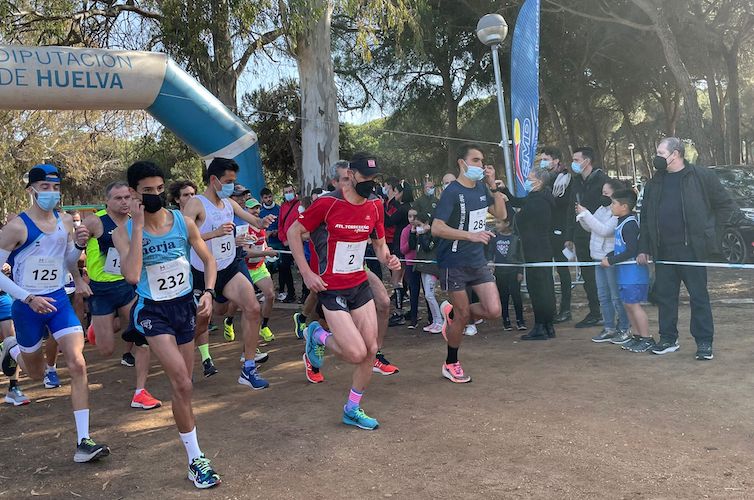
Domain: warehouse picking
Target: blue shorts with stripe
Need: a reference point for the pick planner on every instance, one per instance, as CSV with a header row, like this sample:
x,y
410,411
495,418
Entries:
x,y
31,326
175,317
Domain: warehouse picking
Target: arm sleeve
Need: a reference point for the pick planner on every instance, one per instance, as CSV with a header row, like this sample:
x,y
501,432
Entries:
x,y
514,201
404,240
7,284
631,237
72,255
598,227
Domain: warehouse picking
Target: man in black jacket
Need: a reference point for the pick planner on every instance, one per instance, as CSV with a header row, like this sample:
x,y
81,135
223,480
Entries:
x,y
587,191
682,206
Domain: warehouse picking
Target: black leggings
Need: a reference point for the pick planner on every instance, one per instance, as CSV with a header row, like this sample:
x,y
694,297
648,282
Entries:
x,y
509,287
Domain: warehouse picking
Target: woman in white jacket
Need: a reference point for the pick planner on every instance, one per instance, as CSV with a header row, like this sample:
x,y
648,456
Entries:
x,y
601,224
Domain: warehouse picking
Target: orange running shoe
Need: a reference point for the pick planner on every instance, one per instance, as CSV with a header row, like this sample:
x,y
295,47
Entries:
x,y
145,401
454,373
383,366
311,375
90,335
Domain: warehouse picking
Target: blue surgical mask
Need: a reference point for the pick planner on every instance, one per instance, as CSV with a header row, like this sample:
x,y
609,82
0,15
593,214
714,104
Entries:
x,y
528,185
544,163
385,190
289,196
47,200
474,173
431,192
226,191
576,167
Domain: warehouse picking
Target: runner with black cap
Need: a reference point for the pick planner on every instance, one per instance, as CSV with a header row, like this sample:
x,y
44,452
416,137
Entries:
x,y
40,245
340,225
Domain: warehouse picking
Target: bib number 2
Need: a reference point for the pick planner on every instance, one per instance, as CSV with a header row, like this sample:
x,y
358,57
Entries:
x,y
349,257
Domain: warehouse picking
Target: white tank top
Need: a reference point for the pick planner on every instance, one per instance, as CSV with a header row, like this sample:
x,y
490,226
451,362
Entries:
x,y
39,264
224,247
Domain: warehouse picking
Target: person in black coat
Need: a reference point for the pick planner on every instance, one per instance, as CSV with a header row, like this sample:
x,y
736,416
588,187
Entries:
x,y
534,225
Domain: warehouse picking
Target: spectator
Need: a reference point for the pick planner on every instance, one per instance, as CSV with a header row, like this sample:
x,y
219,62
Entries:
x,y
240,195
316,193
505,248
269,207
447,179
425,251
427,202
588,182
534,224
413,277
179,192
601,224
288,215
396,218
562,190
682,206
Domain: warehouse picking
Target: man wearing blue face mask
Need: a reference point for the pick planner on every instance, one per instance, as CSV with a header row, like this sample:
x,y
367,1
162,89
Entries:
x,y
587,188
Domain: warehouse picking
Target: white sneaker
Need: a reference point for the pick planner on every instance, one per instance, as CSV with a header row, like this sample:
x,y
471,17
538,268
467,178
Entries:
x,y
470,330
479,321
282,296
435,328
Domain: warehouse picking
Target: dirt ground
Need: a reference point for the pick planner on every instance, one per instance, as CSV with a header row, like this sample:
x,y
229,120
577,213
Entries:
x,y
564,418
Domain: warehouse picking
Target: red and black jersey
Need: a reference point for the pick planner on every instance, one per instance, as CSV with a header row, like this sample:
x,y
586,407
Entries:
x,y
339,232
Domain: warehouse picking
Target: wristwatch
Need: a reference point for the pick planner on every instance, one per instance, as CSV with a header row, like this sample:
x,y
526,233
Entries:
x,y
210,291
75,244
29,298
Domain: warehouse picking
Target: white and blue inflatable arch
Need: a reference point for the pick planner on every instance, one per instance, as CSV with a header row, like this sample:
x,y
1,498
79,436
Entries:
x,y
67,78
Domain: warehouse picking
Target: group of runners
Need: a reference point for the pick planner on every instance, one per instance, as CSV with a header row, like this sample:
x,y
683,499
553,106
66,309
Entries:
x,y
157,275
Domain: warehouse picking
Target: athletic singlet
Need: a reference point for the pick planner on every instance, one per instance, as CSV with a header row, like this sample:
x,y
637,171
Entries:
x,y
222,248
39,264
102,259
165,271
260,245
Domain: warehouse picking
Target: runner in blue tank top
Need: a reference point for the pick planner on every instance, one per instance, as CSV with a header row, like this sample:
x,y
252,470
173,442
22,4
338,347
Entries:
x,y
154,248
42,248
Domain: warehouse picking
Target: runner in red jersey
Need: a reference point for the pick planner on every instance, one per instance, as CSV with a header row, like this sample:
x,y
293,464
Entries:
x,y
340,225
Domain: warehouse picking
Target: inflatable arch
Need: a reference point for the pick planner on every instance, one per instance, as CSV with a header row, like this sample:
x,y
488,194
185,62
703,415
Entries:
x,y
68,78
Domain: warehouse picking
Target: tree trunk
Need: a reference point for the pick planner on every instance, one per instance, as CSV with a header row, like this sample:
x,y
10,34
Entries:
x,y
570,127
718,132
557,123
452,110
734,98
320,127
691,103
224,77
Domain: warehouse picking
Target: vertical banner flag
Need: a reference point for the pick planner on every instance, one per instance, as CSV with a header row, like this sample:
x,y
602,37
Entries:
x,y
525,91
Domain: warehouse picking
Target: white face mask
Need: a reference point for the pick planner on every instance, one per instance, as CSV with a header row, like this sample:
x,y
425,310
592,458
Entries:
x,y
301,209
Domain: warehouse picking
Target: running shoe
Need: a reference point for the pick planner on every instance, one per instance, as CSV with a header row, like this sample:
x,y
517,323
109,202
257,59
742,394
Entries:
x,y
311,375
383,366
209,368
282,296
606,335
299,326
454,373
145,401
211,327
314,351
470,330
645,344
704,351
88,451
621,337
358,418
446,308
6,360
260,357
51,380
251,378
665,346
128,359
266,334
632,342
91,337
412,324
229,333
201,473
434,328
507,325
521,325
16,397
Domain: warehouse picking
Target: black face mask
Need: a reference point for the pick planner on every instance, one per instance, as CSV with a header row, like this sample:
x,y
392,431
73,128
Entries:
x,y
364,189
154,202
660,163
606,201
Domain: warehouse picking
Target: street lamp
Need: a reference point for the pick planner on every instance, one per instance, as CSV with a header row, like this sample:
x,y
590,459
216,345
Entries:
x,y
631,147
491,31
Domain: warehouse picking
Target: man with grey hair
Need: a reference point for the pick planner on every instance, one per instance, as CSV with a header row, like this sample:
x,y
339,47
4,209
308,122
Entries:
x,y
682,206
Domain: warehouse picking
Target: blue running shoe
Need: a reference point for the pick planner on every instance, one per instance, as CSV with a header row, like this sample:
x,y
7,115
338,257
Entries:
x,y
358,418
299,326
201,473
51,380
252,378
314,351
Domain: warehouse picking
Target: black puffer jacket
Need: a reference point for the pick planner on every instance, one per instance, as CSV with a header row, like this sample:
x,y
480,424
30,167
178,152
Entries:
x,y
534,225
706,205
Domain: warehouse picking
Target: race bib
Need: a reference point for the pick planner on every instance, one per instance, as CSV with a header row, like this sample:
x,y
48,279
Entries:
x,y
42,273
349,257
477,220
112,261
169,279
224,247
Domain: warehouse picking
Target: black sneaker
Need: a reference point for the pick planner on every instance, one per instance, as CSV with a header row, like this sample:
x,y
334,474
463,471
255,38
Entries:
x,y
666,346
507,326
396,319
88,450
643,345
704,351
209,368
521,325
606,335
291,299
562,317
128,359
588,322
412,324
6,360
621,337
633,341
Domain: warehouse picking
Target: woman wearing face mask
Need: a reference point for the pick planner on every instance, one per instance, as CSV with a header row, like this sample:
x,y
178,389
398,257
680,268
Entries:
x,y
534,225
601,224
399,198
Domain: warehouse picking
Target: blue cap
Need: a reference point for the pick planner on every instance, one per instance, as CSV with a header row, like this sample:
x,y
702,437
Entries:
x,y
43,172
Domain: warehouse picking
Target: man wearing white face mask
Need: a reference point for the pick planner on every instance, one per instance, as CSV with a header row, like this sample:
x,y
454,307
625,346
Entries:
x,y
427,202
288,215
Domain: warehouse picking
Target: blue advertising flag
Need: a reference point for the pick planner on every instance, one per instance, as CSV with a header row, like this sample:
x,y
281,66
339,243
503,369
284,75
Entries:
x,y
525,91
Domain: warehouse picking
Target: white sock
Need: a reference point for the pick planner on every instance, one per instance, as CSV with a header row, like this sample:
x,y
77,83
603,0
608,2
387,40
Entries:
x,y
191,443
82,423
50,368
137,391
15,352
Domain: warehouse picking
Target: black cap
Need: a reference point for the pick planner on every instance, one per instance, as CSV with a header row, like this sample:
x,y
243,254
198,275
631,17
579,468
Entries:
x,y
365,164
43,172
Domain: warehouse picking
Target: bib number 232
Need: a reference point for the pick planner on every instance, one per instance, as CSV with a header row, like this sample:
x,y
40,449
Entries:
x,y
169,280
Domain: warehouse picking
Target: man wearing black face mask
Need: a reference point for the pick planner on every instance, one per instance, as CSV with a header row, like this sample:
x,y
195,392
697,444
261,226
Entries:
x,y
682,206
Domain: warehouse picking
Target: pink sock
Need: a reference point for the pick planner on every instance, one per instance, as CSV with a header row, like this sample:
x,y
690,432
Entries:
x,y
354,399
320,336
